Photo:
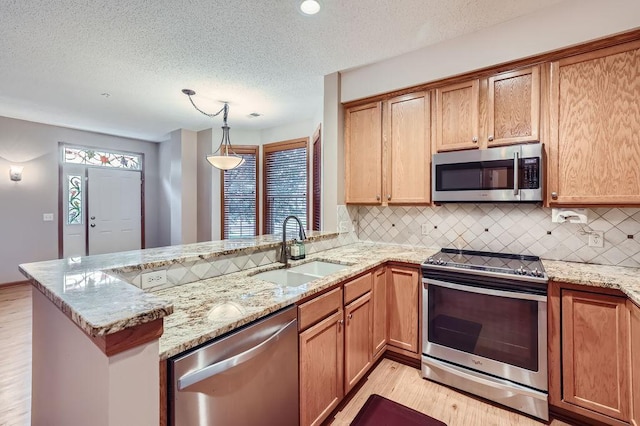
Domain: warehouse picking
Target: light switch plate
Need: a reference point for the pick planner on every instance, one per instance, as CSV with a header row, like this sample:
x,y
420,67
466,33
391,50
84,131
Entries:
x,y
47,217
425,229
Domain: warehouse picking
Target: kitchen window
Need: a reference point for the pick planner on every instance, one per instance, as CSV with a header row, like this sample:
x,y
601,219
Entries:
x,y
286,183
240,196
317,181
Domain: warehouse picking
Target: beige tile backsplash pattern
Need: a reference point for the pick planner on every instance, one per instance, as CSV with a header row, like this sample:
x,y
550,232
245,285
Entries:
x,y
187,272
514,228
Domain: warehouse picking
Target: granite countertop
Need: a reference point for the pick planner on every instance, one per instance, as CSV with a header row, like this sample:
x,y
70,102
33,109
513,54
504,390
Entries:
x,y
206,309
197,312
101,304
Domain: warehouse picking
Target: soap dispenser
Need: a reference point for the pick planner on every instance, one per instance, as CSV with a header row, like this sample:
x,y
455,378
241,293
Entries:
x,y
297,250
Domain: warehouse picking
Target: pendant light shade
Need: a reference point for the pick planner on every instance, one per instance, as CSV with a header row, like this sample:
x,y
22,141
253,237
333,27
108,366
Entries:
x,y
223,158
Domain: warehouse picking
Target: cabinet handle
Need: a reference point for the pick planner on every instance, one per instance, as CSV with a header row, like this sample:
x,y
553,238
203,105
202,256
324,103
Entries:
x,y
474,139
490,138
389,197
377,198
554,195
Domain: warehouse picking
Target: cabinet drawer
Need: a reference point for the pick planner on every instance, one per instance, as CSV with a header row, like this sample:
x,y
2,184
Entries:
x,y
322,306
356,288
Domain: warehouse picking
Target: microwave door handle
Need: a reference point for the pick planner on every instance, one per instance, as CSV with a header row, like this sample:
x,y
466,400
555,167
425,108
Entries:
x,y
516,164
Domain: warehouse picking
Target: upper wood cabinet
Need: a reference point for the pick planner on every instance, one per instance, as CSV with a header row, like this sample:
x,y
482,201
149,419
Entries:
x,y
363,154
513,107
595,353
594,149
635,362
407,149
388,151
457,116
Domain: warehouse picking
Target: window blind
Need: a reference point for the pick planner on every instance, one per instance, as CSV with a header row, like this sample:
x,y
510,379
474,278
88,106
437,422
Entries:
x,y
317,184
239,192
285,186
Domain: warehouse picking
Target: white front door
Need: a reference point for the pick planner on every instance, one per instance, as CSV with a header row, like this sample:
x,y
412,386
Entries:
x,y
114,210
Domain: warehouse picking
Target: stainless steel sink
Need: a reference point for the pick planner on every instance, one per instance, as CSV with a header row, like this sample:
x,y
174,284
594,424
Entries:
x,y
319,268
301,274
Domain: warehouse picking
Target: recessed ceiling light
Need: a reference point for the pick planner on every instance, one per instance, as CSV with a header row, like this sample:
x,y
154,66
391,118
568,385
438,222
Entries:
x,y
105,94
310,7
254,115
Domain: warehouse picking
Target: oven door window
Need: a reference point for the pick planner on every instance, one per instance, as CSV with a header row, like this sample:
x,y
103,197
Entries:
x,y
494,327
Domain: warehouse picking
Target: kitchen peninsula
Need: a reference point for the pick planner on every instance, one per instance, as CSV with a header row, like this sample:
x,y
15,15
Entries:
x,y
79,372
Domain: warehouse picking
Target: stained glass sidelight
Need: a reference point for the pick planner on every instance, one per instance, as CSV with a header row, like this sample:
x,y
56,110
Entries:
x,y
75,200
93,157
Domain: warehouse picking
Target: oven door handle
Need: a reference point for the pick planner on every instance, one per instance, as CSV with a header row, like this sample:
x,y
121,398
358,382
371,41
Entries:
x,y
487,291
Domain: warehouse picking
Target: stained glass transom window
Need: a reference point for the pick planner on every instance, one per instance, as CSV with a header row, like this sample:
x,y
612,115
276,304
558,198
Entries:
x,y
75,200
92,157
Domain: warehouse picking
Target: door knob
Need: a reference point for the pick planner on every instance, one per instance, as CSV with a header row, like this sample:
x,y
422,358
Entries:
x,y
93,225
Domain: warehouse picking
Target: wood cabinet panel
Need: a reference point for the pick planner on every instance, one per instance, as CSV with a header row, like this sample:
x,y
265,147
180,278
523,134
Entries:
x,y
403,288
357,287
314,310
514,107
357,341
595,357
634,312
594,155
363,154
457,116
321,369
407,143
379,322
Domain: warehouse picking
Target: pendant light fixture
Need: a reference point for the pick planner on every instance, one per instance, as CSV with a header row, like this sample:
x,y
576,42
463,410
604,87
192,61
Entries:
x,y
223,158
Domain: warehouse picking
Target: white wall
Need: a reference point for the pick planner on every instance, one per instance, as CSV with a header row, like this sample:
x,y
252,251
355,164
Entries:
x,y
332,153
563,24
25,237
75,383
205,172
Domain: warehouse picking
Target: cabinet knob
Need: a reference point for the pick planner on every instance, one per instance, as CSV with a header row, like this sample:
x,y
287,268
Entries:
x,y
389,197
340,322
350,316
554,195
490,138
474,139
93,225
377,198
93,218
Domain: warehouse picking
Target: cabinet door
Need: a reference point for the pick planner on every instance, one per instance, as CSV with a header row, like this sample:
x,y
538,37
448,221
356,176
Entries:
x,y
403,298
594,154
363,154
635,363
379,295
407,142
513,107
595,356
457,110
357,340
321,369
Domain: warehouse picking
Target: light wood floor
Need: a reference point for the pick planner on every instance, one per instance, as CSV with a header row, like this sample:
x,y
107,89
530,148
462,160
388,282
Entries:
x,y
405,385
15,355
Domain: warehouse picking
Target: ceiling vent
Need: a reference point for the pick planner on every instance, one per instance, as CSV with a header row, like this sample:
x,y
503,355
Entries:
x,y
254,115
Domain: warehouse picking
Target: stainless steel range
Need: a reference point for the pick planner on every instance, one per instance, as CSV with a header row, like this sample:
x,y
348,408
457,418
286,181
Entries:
x,y
485,326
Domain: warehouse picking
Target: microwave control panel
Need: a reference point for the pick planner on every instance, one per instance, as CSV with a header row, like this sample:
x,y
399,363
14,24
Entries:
x,y
530,174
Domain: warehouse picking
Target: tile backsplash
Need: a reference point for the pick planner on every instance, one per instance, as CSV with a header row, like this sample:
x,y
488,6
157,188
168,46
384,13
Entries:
x,y
514,228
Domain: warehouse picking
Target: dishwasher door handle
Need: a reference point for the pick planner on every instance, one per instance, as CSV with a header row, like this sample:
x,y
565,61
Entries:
x,y
224,365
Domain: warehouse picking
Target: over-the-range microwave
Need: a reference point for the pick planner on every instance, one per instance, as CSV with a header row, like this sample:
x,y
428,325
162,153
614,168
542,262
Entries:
x,y
501,174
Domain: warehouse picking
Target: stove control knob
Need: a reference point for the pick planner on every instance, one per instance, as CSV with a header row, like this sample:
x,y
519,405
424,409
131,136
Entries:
x,y
430,260
537,273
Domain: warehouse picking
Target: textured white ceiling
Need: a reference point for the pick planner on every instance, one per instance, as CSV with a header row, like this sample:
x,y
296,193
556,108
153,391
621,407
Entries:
x,y
58,57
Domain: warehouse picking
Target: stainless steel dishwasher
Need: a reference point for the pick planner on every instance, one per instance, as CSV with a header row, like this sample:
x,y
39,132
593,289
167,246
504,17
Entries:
x,y
249,377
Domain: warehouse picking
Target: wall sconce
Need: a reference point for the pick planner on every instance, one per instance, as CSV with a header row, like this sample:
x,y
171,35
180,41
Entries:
x,y
15,173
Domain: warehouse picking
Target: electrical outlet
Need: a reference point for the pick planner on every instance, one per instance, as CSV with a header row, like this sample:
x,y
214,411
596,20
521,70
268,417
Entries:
x,y
153,279
344,226
596,239
425,229
47,217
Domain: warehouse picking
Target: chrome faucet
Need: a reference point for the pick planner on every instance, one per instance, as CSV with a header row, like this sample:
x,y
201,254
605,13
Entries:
x,y
284,258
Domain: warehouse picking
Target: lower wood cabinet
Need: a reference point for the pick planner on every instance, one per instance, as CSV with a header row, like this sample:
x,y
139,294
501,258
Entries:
x,y
403,297
379,322
357,340
635,362
321,369
590,353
